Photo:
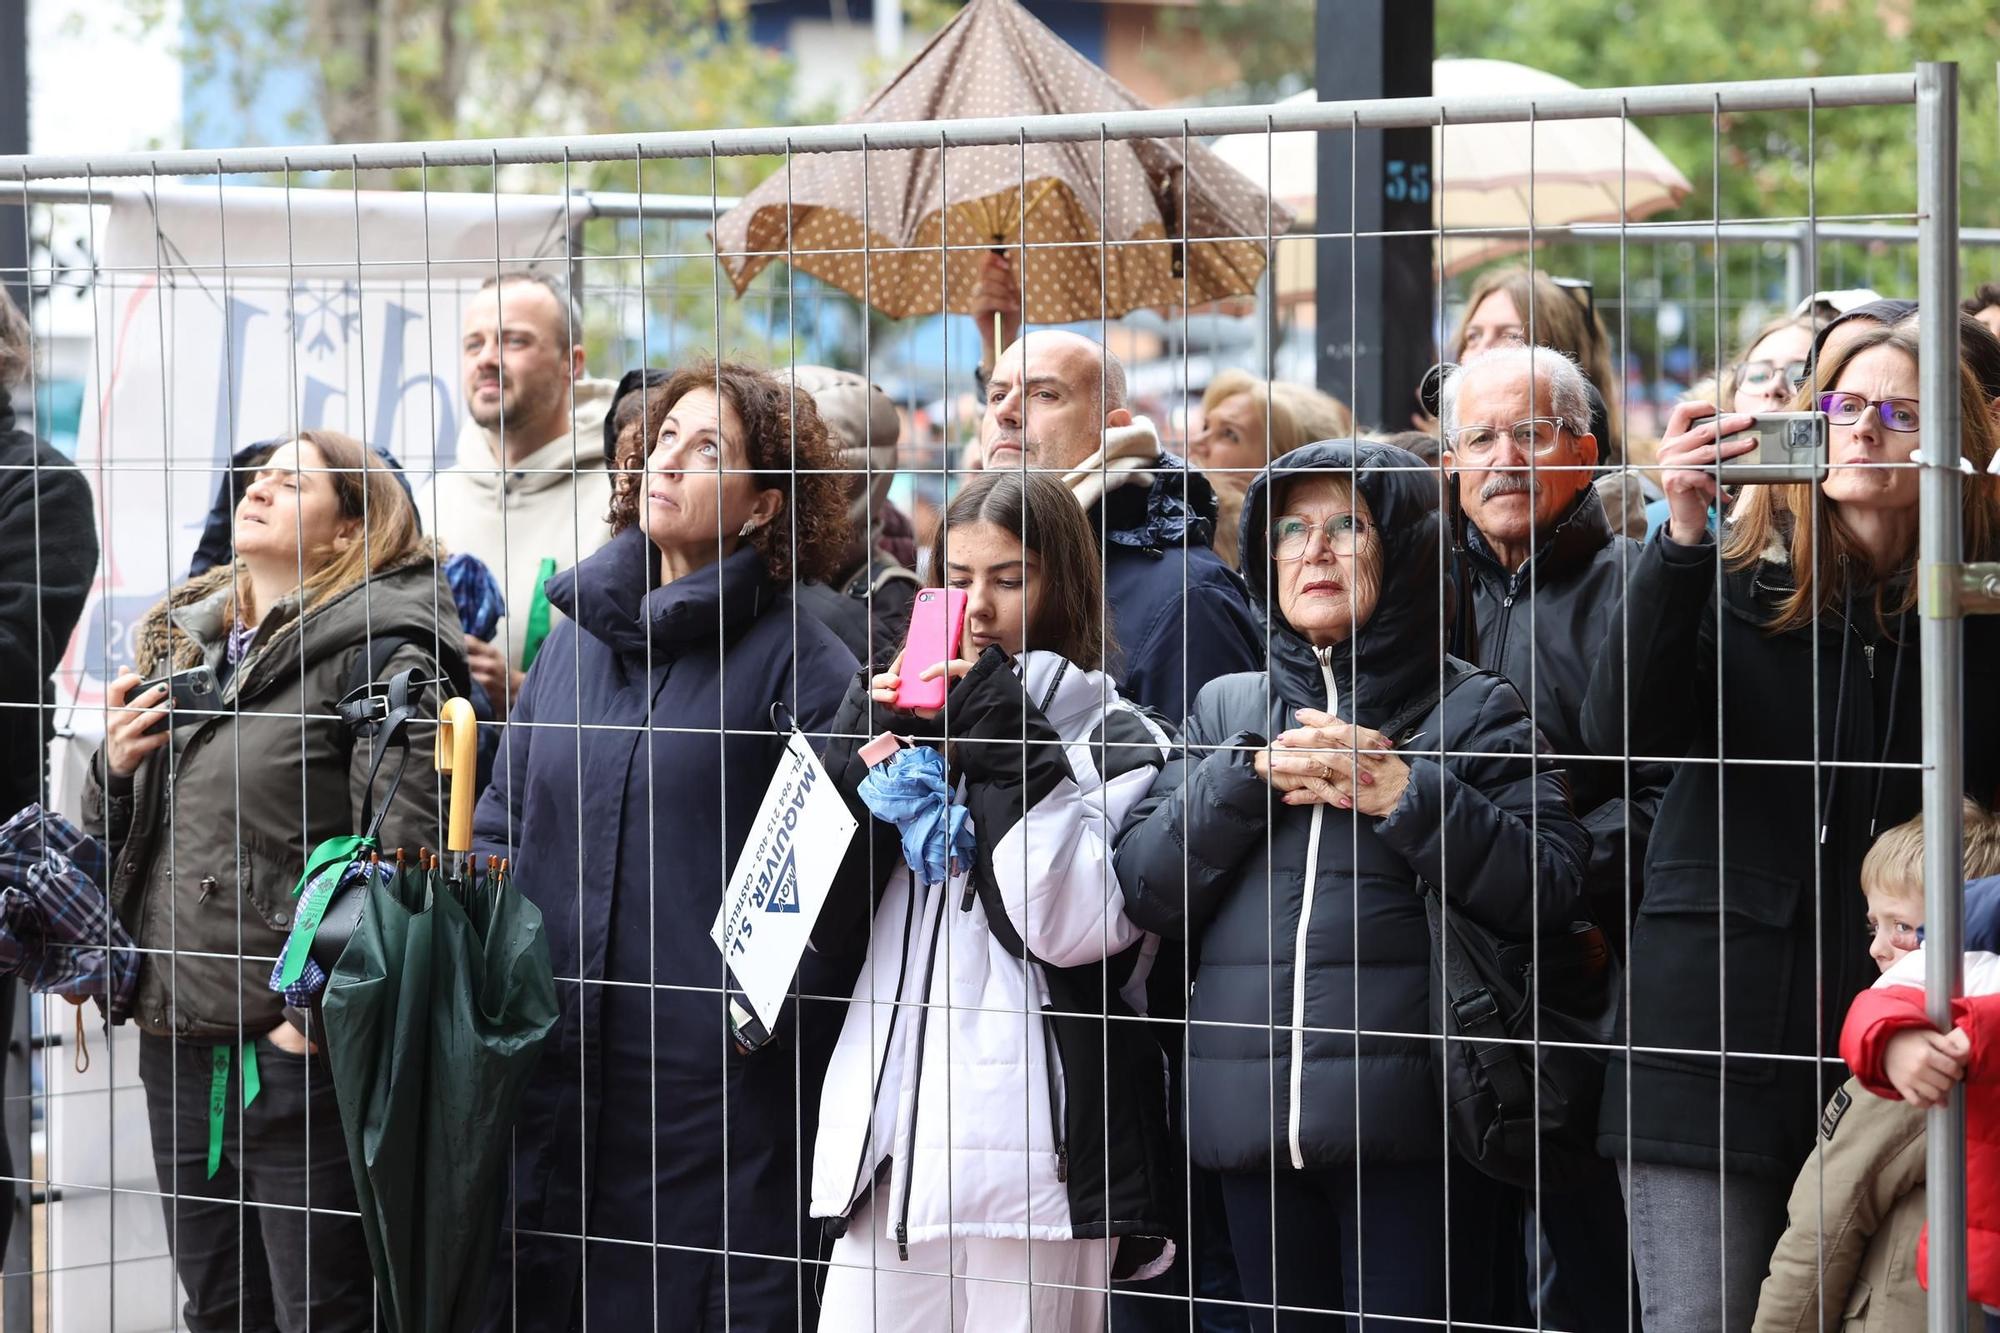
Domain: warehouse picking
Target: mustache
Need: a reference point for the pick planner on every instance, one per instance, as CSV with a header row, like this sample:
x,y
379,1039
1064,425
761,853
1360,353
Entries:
x,y
1507,483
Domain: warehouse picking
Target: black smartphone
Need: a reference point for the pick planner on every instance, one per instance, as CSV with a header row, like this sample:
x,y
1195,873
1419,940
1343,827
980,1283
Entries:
x,y
194,692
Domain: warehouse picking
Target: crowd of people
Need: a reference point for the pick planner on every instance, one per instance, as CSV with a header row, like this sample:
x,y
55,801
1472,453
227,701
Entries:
x,y
1252,737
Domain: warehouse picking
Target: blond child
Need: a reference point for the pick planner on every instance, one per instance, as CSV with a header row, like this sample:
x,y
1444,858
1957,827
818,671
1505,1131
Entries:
x,y
1870,1164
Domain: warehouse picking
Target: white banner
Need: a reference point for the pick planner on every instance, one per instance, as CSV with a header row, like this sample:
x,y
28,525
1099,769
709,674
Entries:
x,y
226,317
780,882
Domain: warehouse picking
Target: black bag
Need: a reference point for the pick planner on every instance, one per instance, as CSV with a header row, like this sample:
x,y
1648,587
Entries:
x,y
1516,1110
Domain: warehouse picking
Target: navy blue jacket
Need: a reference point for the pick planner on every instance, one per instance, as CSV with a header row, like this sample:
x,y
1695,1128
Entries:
x,y
1181,615
631,772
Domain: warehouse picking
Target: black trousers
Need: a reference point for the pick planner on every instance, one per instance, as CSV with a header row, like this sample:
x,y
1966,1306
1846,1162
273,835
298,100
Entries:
x,y
1367,1249
272,1240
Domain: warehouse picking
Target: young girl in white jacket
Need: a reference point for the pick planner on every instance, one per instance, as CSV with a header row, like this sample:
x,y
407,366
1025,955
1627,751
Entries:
x,y
992,1143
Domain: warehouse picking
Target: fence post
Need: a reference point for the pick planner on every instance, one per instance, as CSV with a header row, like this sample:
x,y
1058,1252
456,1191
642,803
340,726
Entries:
x,y
1942,647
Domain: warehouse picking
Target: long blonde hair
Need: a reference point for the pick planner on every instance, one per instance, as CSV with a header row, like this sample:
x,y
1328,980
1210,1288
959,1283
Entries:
x,y
368,494
1563,322
1770,519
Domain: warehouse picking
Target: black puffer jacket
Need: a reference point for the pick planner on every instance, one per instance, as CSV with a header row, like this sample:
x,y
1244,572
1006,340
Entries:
x,y
1308,918
48,557
1540,627
1749,936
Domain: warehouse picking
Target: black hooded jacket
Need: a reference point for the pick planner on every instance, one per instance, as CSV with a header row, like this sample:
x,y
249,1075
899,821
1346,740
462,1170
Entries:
x,y
1749,935
1540,626
1308,917
48,557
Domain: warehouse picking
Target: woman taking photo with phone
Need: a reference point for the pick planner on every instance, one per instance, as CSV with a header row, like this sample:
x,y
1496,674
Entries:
x,y
1797,664
994,1117
208,809
655,1153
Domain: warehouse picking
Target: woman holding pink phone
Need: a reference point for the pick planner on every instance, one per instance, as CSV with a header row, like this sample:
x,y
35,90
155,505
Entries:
x,y
992,1129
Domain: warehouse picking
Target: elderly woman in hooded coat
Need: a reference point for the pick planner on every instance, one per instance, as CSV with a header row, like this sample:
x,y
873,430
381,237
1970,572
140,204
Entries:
x,y
1292,847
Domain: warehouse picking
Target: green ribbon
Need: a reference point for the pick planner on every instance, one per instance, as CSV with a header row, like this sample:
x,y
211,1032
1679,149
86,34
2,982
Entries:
x,y
538,614
218,1097
328,862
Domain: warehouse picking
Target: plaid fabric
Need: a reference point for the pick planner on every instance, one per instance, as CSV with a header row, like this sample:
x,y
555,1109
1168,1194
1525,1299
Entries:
x,y
56,927
312,977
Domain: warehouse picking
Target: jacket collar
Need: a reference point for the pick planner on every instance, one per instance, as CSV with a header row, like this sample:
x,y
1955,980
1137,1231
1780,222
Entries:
x,y
1574,541
615,595
1382,665
6,412
1179,507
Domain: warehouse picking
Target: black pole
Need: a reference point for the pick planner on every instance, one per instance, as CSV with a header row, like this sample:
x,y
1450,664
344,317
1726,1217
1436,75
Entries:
x,y
14,139
1375,301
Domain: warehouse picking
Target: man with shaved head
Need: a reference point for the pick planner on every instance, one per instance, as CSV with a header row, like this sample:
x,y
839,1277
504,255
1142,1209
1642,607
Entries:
x,y
1056,403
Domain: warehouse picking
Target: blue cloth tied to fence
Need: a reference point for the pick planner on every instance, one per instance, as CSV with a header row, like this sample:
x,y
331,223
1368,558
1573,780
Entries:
x,y
476,594
908,790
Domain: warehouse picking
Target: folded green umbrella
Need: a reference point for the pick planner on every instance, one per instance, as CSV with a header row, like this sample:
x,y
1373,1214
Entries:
x,y
435,1014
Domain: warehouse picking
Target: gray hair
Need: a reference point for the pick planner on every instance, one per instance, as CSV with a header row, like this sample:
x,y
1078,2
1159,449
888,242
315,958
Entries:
x,y
17,348
1567,396
572,331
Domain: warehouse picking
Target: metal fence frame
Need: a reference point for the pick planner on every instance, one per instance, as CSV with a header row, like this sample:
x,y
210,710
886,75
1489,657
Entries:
x,y
1932,89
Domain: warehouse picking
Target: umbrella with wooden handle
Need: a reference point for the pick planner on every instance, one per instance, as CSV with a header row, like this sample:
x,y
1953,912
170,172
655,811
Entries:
x,y
457,759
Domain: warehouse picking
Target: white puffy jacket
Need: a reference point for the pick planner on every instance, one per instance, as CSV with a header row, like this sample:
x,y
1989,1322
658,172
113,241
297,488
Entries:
x,y
942,1070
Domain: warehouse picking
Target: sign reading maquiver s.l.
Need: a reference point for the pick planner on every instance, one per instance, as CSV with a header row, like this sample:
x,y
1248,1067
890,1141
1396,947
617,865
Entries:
x,y
780,882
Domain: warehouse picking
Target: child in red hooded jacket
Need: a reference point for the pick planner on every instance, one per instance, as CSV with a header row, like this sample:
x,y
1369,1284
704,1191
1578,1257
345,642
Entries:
x,y
1890,1044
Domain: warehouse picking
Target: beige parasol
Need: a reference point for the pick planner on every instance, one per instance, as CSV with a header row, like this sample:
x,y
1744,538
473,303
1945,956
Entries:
x,y
1583,170
1045,202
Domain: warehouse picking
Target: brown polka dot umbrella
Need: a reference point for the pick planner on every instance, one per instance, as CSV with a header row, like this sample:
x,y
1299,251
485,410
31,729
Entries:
x,y
1103,228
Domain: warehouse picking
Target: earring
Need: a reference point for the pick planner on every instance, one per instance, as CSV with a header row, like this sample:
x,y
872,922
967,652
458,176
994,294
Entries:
x,y
749,526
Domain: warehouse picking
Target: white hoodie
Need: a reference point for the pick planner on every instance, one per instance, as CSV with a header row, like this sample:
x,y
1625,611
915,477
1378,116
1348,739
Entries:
x,y
552,505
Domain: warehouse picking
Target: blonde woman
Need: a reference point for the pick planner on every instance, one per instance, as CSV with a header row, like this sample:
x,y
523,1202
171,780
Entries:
x,y
208,818
1247,422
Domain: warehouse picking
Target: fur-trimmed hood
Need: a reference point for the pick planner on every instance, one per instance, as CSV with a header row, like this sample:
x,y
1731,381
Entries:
x,y
409,600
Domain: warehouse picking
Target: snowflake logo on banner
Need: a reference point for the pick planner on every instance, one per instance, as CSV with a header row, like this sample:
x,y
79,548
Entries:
x,y
317,314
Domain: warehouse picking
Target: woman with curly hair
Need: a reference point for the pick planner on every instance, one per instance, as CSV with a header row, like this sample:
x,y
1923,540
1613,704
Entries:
x,y
656,1152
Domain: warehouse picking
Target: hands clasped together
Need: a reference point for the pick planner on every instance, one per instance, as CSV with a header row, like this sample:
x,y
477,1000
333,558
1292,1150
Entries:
x,y
1326,761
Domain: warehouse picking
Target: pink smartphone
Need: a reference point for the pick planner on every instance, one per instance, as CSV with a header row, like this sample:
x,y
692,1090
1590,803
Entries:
x,y
937,622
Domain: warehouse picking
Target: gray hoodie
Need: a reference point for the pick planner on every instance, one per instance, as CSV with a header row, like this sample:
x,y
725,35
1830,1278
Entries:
x,y
552,506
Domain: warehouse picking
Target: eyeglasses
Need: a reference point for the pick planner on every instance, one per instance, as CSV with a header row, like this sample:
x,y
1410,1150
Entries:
x,y
1291,536
1763,374
1896,414
1536,435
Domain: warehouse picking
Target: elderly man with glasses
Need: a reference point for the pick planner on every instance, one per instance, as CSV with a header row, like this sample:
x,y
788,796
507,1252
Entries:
x,y
1541,580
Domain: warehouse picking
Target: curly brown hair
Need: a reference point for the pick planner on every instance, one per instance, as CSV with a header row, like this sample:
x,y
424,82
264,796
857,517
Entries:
x,y
790,450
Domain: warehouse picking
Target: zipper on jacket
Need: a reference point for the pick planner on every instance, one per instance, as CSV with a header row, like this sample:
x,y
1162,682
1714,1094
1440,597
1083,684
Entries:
x,y
1053,1058
1868,655
1299,945
895,1013
917,1088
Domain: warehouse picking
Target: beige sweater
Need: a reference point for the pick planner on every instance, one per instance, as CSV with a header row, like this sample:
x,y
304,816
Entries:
x,y
553,505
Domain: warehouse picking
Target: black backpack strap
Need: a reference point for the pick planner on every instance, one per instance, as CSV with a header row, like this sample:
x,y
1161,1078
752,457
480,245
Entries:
x,y
1473,1009
382,714
1456,672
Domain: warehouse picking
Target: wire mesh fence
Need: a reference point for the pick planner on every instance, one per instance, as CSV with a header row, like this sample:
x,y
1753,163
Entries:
x,y
1419,882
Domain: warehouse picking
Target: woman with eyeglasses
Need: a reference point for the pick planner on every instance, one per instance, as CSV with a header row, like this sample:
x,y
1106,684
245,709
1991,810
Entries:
x,y
1290,846
1772,367
1796,664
